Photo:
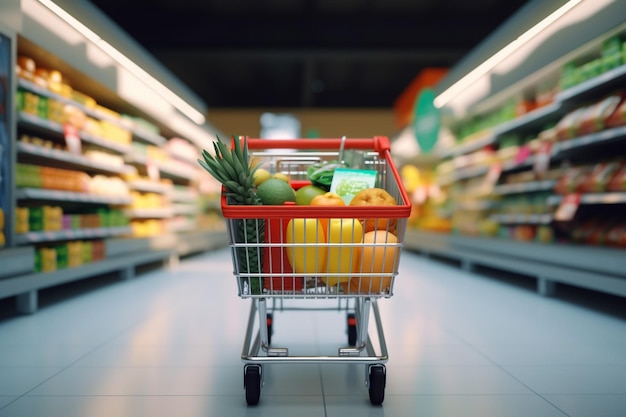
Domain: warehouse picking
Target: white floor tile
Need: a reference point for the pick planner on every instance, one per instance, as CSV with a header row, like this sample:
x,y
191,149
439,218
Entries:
x,y
546,380
144,381
590,405
20,380
169,343
444,406
6,399
163,406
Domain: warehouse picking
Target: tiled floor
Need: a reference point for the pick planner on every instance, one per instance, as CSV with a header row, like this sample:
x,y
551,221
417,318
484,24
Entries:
x,y
168,343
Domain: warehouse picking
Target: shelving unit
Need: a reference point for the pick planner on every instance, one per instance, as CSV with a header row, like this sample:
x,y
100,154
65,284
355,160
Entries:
x,y
42,142
487,195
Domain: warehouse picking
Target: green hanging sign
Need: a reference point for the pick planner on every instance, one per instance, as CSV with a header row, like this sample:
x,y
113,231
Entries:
x,y
426,120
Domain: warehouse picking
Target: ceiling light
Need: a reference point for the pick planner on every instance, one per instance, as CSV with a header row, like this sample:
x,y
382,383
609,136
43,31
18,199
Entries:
x,y
185,108
473,76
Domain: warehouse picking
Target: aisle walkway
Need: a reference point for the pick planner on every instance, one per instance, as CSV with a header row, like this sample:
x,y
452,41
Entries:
x,y
168,344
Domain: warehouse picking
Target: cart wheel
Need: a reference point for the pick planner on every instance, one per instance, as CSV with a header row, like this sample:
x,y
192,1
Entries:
x,y
351,329
269,328
252,383
377,383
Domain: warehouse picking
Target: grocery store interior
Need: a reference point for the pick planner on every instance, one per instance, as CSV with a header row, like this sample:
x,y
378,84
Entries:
x,y
442,223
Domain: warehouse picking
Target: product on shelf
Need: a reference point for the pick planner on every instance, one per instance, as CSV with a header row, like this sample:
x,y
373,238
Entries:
x,y
68,255
45,218
2,237
618,180
598,179
183,149
103,157
21,220
148,227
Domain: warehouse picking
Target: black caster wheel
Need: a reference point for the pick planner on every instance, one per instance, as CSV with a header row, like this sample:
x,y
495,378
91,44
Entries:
x,y
351,329
252,383
378,380
270,319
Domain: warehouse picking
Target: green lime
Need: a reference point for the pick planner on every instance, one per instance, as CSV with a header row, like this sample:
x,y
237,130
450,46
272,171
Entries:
x,y
275,191
305,194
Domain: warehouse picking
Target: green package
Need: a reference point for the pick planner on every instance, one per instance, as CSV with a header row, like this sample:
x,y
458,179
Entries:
x,y
348,182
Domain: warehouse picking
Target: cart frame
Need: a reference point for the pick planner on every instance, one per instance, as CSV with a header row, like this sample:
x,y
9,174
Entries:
x,y
257,350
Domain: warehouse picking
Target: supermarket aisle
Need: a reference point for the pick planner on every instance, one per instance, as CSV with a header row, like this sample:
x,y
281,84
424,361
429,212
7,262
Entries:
x,y
168,343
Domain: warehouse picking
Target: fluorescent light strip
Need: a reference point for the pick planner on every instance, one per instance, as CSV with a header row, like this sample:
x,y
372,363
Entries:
x,y
473,76
188,110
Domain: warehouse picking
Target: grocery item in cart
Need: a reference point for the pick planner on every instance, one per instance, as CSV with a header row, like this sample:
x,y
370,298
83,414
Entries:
x,y
232,168
344,254
380,256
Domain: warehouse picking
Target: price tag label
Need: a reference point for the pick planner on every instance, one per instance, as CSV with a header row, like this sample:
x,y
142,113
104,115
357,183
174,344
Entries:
x,y
523,154
542,158
493,175
568,208
153,171
72,139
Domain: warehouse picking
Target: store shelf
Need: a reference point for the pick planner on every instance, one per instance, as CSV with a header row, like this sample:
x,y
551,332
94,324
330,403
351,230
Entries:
x,y
597,85
42,91
463,174
25,287
183,196
73,234
524,187
70,196
511,166
185,209
55,129
534,119
149,213
597,268
16,261
148,137
138,133
606,137
200,241
69,160
535,219
476,205
471,145
166,170
148,122
183,158
122,255
148,186
593,198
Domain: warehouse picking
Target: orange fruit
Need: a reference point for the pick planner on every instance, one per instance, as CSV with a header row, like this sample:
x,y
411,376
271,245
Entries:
x,y
379,255
375,197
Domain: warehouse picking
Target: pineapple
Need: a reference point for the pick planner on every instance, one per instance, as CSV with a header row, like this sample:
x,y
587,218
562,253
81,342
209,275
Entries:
x,y
232,169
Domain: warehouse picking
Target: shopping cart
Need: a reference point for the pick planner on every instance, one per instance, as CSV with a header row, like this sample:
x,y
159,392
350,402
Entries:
x,y
292,260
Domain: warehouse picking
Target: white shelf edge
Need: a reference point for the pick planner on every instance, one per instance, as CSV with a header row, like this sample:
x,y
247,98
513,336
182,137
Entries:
x,y
59,195
71,234
69,158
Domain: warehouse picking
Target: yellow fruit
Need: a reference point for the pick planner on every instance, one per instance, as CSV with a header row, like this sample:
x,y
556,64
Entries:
x,y
275,192
281,176
411,177
260,175
379,256
342,259
310,256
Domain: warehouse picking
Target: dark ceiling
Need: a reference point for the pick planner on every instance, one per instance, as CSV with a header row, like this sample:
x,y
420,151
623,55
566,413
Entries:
x,y
305,53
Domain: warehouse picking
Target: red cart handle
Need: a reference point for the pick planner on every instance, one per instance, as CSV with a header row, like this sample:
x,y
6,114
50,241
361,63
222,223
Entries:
x,y
376,143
